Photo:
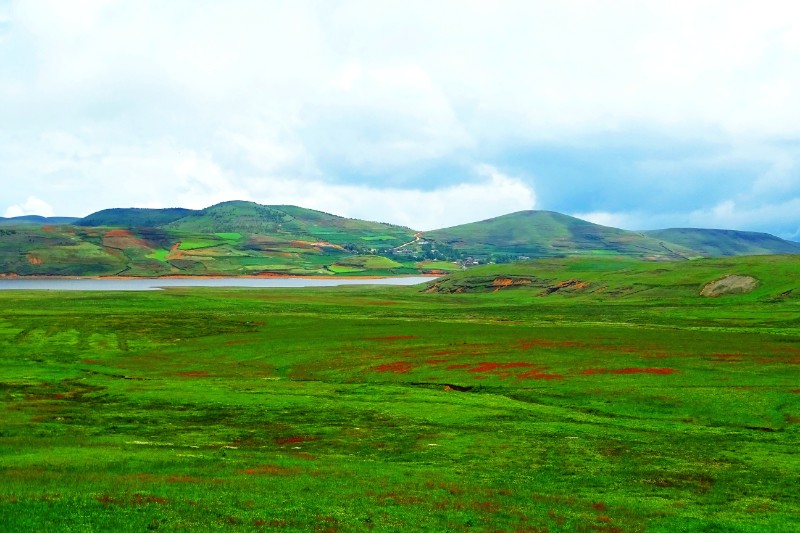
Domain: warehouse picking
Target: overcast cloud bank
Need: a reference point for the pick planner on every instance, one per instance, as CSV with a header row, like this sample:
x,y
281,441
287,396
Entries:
x,y
426,114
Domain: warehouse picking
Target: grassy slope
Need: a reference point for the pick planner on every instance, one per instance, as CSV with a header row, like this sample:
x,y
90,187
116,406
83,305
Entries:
x,y
549,234
134,217
35,220
720,242
586,278
291,222
330,409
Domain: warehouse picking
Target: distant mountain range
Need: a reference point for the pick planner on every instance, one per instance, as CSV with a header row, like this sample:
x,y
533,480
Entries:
x,y
36,220
245,238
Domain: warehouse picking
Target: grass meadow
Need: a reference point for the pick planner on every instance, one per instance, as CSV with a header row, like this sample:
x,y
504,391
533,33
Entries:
x,y
391,409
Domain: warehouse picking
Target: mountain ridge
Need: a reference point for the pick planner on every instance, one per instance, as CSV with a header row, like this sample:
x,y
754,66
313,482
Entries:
x,y
247,238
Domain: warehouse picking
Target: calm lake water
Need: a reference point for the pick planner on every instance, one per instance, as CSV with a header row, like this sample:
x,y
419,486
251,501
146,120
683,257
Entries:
x,y
150,284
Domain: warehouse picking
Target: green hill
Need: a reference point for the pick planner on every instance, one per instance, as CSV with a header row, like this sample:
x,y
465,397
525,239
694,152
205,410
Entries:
x,y
549,234
35,220
291,222
134,217
721,242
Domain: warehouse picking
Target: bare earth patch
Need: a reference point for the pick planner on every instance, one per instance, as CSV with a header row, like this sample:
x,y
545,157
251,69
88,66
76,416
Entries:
x,y
732,284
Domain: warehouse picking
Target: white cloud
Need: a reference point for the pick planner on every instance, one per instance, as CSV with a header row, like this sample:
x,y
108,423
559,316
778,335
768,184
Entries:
x,y
779,218
493,195
138,102
31,206
613,220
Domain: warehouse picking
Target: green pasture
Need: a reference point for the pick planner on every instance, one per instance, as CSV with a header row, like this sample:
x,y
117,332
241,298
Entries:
x,y
394,409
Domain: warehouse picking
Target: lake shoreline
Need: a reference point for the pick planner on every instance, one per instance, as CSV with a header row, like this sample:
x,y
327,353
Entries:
x,y
204,276
120,283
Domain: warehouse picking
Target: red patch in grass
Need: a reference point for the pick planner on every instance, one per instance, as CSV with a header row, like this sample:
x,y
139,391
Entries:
x,y
391,338
305,456
399,498
538,374
794,391
541,343
237,341
489,367
787,361
92,362
59,396
398,367
467,348
646,370
599,506
138,499
492,367
727,357
144,499
184,479
649,370
119,233
193,374
294,439
271,470
275,523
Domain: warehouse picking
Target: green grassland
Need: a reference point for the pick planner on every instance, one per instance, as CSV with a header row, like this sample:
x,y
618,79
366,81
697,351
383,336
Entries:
x,y
550,234
409,408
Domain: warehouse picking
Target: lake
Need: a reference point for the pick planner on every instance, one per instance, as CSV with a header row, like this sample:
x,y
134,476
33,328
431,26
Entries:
x,y
152,284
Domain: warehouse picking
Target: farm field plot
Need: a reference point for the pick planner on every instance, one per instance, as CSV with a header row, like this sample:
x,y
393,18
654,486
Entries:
x,y
391,408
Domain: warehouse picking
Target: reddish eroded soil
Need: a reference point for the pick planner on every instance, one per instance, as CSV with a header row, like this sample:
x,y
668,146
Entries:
x,y
398,367
239,341
646,370
305,456
727,357
500,283
484,368
294,439
781,360
271,470
120,238
391,338
138,499
538,374
91,362
794,391
194,374
527,344
599,506
467,349
184,479
398,498
34,259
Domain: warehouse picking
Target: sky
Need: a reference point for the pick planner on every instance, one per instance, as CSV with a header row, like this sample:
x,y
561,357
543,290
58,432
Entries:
x,y
635,114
